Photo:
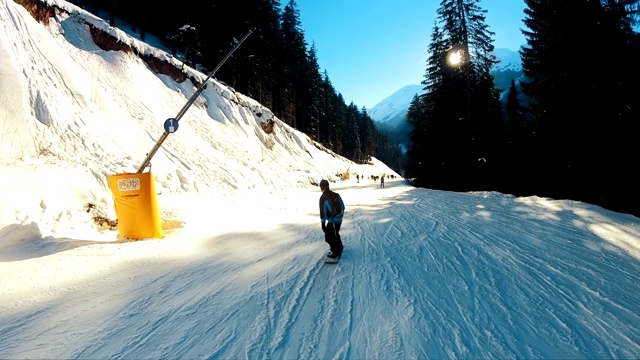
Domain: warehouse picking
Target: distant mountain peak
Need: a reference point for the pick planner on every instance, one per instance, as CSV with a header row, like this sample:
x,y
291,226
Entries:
x,y
398,102
508,60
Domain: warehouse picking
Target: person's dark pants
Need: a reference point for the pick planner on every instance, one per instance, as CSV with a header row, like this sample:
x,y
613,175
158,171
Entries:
x,y
332,237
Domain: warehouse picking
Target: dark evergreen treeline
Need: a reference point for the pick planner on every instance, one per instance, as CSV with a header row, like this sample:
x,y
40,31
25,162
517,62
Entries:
x,y
275,65
577,135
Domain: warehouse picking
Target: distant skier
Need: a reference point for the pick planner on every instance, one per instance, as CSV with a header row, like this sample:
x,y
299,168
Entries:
x,y
382,181
331,213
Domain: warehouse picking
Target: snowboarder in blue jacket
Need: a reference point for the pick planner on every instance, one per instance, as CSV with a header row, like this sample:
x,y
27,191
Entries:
x,y
331,213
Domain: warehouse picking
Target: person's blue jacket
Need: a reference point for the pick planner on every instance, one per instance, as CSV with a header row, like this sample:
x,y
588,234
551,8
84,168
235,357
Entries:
x,y
326,209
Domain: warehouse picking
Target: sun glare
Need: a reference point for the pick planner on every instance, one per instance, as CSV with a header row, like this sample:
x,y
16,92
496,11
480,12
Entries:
x,y
455,57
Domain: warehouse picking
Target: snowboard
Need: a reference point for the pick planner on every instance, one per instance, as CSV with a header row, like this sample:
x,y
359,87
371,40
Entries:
x,y
329,260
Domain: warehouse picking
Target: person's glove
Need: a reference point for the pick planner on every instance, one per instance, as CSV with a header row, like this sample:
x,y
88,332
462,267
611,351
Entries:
x,y
324,228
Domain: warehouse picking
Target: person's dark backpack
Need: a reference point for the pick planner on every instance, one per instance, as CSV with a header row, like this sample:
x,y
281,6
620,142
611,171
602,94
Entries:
x,y
337,208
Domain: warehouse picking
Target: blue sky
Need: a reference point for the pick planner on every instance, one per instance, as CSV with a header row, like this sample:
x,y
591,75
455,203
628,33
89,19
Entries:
x,y
372,48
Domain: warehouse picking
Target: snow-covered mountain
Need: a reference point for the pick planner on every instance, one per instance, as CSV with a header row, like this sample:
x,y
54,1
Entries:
x,y
398,102
509,68
509,60
390,114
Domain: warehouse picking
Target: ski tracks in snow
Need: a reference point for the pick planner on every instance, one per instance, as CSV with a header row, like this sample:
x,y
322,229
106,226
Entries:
x,y
466,284
425,274
312,313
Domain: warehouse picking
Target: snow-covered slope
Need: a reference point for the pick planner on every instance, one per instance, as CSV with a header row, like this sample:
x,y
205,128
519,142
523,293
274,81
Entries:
x,y
94,111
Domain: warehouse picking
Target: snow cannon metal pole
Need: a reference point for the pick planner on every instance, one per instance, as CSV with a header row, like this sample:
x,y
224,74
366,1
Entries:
x,y
186,106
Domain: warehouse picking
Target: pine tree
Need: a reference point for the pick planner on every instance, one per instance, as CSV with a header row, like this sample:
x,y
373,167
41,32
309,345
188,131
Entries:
x,y
516,117
520,150
327,111
351,134
458,130
332,116
417,155
187,39
295,61
368,136
312,93
263,51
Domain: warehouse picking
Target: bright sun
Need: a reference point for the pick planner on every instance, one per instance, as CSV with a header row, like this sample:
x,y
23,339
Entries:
x,y
455,57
